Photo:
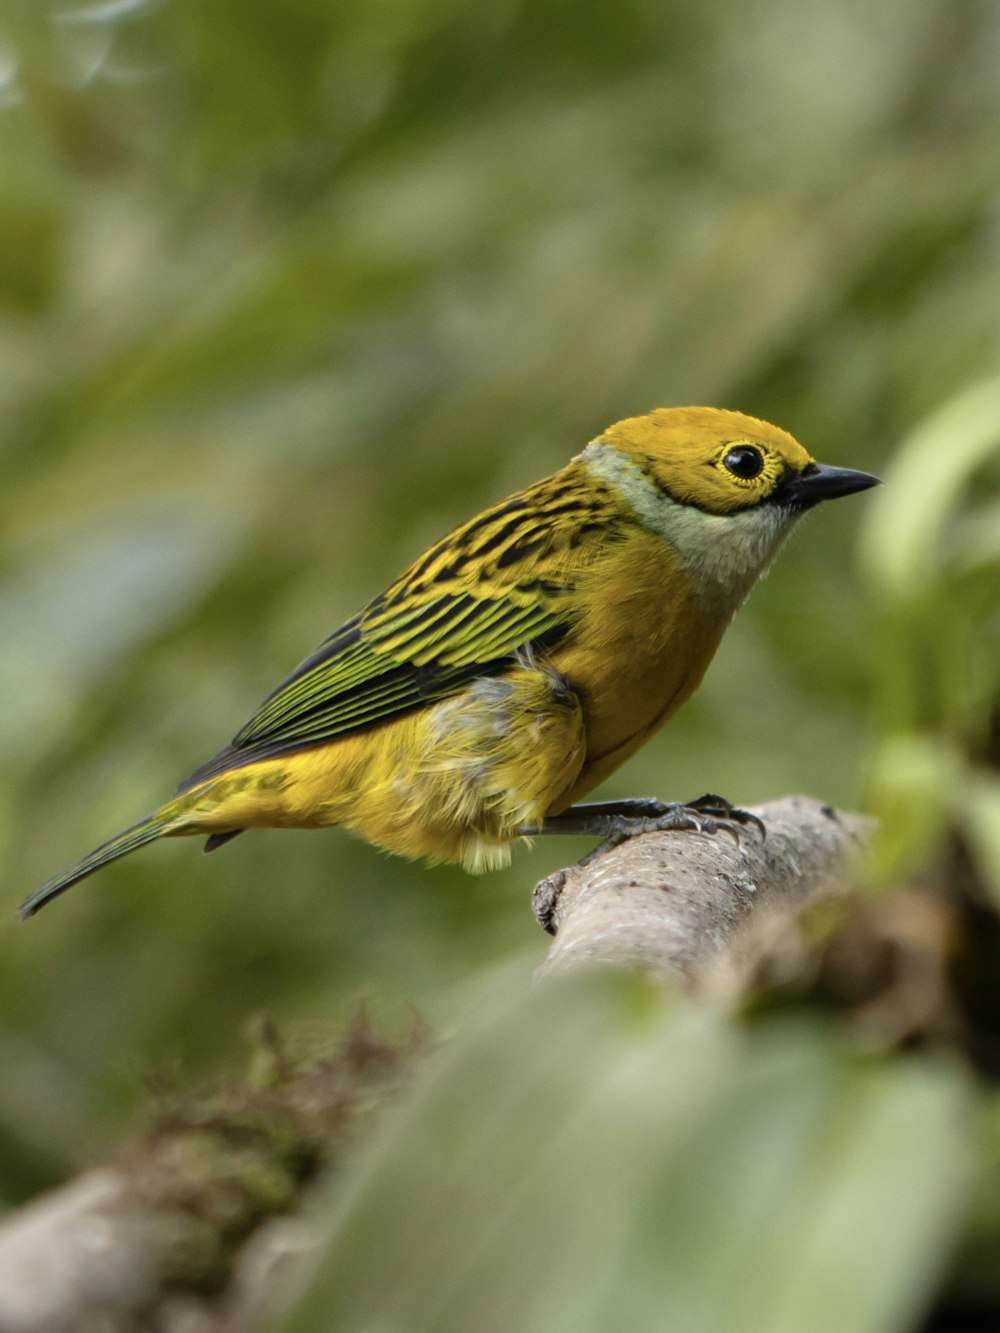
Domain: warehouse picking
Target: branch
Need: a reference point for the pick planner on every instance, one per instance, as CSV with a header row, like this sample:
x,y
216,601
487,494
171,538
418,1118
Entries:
x,y
689,906
190,1222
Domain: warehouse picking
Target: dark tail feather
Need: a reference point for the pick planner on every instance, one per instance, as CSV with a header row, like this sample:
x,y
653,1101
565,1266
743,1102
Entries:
x,y
217,840
147,830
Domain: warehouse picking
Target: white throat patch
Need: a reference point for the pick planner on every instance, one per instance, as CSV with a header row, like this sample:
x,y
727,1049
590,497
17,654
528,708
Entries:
x,y
726,553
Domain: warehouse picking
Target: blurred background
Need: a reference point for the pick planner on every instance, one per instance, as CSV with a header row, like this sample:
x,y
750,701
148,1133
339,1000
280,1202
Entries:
x,y
288,289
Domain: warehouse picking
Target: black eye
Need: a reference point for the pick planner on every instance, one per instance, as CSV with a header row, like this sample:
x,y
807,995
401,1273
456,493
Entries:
x,y
744,461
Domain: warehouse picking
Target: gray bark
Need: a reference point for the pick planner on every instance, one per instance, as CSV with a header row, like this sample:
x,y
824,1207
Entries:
x,y
691,906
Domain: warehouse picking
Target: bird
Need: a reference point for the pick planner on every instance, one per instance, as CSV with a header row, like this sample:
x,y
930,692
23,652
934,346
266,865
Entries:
x,y
519,660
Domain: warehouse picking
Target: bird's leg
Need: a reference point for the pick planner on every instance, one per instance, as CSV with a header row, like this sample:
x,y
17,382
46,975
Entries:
x,y
617,821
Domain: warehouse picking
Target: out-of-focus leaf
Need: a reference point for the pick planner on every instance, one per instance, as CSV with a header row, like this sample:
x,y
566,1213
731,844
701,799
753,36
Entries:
x,y
931,556
911,781
29,254
77,611
980,817
978,541
902,538
593,1160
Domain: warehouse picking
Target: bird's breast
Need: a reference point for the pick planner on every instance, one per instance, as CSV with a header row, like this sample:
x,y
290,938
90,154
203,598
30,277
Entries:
x,y
642,643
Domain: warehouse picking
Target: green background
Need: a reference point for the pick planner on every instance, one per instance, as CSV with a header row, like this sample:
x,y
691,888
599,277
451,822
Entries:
x,y
288,289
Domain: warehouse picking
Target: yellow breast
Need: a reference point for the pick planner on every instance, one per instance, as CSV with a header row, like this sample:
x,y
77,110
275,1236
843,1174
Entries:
x,y
643,642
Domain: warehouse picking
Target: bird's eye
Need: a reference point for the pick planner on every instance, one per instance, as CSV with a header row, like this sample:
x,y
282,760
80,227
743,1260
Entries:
x,y
744,462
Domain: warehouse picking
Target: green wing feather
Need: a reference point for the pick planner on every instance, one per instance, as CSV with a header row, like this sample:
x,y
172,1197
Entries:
x,y
461,611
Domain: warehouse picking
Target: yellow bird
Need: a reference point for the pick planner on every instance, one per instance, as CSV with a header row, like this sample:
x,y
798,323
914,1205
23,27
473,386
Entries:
x,y
520,660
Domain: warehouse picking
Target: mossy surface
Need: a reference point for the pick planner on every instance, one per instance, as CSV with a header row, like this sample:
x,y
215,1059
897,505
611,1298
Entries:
x,y
212,1167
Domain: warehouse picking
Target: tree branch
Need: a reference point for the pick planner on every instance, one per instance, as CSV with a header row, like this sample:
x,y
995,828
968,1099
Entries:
x,y
178,1231
687,905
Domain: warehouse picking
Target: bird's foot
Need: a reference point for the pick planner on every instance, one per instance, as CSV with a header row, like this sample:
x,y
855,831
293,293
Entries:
x,y
618,821
708,814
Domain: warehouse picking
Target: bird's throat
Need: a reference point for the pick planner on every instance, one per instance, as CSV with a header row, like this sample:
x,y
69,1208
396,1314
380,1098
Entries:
x,y
725,553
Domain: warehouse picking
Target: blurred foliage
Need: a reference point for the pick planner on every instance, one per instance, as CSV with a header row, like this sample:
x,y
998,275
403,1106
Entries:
x,y
932,553
555,1174
288,289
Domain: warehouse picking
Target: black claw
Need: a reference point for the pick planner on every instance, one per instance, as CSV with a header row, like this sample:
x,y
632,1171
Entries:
x,y
745,817
711,804
724,811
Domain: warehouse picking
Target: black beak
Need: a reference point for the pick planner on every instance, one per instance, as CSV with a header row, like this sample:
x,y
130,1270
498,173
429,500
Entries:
x,y
819,482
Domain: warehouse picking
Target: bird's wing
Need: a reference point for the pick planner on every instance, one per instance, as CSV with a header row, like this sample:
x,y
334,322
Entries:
x,y
461,611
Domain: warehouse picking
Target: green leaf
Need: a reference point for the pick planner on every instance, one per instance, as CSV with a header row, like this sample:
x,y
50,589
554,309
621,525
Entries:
x,y
979,816
29,254
905,523
910,777
591,1160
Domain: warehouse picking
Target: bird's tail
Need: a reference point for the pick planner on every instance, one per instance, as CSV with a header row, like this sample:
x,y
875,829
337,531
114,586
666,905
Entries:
x,y
147,830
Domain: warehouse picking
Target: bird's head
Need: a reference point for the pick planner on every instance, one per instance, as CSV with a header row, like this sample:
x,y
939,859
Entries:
x,y
723,488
